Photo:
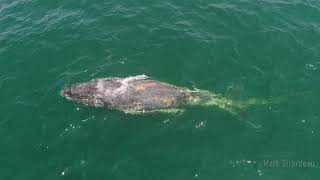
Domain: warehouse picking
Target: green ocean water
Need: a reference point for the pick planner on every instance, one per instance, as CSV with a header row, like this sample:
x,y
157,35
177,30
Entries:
x,y
240,49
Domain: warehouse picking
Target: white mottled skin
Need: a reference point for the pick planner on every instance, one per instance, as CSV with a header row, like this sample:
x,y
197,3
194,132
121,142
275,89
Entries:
x,y
100,85
124,84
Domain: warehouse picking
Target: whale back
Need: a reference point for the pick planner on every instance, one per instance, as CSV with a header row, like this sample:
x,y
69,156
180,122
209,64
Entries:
x,y
140,94
131,94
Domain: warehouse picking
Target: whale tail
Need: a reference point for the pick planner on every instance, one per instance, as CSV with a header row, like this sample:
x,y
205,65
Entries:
x,y
236,107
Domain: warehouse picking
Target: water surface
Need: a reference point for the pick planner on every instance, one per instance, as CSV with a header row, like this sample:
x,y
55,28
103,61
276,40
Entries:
x,y
240,49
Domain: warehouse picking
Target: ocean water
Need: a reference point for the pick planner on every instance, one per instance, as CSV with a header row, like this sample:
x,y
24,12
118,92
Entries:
x,y
240,49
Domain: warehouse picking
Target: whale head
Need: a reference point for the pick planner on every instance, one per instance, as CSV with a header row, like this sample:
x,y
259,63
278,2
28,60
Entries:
x,y
85,93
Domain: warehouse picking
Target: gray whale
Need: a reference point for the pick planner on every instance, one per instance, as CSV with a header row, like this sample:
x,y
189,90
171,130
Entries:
x,y
136,94
139,94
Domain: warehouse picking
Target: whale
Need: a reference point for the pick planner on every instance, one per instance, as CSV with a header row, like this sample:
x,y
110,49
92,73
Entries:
x,y
141,94
135,94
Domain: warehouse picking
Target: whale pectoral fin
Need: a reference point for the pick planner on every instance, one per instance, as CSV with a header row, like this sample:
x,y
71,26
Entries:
x,y
168,111
241,115
173,111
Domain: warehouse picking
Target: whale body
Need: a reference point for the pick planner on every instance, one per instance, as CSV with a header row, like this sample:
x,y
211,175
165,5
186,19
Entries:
x,y
139,94
135,94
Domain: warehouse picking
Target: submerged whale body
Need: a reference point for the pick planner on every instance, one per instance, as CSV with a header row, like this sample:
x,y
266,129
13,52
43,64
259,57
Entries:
x,y
135,94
